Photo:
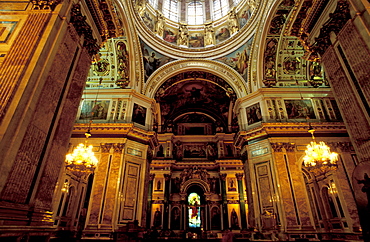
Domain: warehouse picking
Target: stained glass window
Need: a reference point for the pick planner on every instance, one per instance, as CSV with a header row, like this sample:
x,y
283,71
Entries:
x,y
194,210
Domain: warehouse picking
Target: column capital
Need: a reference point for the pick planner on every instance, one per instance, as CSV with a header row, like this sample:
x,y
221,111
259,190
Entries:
x,y
239,176
151,176
105,147
117,148
223,176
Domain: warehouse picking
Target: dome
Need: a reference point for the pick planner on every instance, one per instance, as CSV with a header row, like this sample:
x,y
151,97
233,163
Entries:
x,y
194,28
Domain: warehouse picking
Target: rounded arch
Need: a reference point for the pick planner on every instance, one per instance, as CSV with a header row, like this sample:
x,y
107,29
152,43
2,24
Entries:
x,y
198,182
219,69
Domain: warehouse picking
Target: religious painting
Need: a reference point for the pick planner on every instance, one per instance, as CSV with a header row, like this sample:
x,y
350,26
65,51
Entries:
x,y
148,20
170,36
222,34
291,65
101,67
215,218
139,114
196,40
239,59
299,109
254,114
244,17
92,109
234,220
157,216
231,185
152,60
158,185
194,210
195,151
175,218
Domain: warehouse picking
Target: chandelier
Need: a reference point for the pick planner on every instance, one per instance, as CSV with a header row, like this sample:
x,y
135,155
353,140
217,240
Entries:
x,y
82,160
319,159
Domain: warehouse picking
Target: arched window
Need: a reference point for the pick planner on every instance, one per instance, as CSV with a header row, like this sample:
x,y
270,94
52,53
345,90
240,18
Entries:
x,y
170,9
154,3
194,210
220,8
195,12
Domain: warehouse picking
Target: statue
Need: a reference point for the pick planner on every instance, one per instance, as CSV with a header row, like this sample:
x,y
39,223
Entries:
x,y
141,6
233,22
183,35
209,36
159,28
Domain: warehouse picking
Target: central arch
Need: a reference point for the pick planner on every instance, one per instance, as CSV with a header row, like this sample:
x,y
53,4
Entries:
x,y
219,69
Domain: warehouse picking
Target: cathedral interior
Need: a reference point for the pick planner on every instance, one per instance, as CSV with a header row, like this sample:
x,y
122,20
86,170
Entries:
x,y
198,118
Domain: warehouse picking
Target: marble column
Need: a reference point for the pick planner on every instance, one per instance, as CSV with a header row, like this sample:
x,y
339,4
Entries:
x,y
98,193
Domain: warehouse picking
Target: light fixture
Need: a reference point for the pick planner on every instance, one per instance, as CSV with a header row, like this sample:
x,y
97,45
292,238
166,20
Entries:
x,y
319,159
82,160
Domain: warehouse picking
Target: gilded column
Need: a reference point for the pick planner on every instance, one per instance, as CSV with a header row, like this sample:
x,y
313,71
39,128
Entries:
x,y
243,214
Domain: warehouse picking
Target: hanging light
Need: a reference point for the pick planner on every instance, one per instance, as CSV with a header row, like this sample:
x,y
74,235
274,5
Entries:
x,y
82,160
319,159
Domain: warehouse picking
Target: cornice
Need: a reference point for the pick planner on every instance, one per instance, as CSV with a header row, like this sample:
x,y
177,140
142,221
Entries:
x,y
300,129
116,130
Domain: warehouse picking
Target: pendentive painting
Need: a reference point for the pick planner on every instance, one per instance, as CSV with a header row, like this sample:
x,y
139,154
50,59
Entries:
x,y
139,114
92,109
152,60
239,59
299,109
254,114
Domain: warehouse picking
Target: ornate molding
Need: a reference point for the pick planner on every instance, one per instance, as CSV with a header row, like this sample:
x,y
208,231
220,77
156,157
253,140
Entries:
x,y
306,19
83,28
45,4
122,130
278,147
286,129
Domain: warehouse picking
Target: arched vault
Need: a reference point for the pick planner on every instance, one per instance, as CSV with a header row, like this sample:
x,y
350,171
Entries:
x,y
219,69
